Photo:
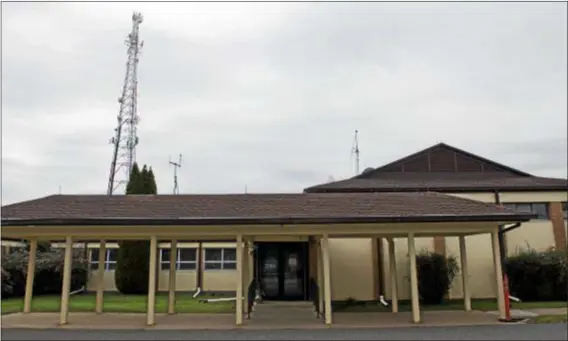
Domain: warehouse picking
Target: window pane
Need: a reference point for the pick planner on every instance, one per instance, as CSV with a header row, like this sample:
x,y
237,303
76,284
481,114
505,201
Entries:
x,y
212,266
186,266
94,266
541,209
94,255
111,266
165,255
213,254
111,255
565,209
165,266
230,265
229,254
188,255
525,208
510,206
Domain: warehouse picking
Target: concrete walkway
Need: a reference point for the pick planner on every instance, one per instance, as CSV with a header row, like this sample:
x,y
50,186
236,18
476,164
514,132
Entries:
x,y
267,315
288,319
528,313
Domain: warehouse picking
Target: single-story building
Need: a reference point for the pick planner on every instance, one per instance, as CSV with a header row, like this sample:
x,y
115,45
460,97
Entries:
x,y
355,238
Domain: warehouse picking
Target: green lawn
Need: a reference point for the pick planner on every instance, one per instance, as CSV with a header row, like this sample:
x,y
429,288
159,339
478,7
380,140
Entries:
x,y
542,319
484,305
117,303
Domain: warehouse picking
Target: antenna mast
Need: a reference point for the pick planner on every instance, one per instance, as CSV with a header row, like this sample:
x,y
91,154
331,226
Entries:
x,y
176,166
125,139
355,150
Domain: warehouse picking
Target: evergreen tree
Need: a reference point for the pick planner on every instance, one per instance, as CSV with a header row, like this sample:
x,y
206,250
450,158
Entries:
x,y
133,186
132,263
152,188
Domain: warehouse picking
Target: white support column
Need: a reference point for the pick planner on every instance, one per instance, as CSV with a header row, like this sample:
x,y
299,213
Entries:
x,y
66,287
151,312
498,273
319,269
393,276
30,276
413,279
101,277
172,279
326,278
465,275
239,291
246,281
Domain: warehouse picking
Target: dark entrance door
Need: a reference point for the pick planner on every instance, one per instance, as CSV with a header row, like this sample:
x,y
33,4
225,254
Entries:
x,y
282,270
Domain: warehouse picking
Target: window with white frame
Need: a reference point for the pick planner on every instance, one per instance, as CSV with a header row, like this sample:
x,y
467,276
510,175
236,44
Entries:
x,y
110,259
186,259
220,259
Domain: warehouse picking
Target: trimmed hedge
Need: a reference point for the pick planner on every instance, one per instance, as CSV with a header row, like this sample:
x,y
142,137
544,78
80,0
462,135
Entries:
x,y
538,275
436,272
48,278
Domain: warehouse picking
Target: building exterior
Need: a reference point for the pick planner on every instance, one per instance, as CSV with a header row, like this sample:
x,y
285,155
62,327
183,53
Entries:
x,y
347,239
449,170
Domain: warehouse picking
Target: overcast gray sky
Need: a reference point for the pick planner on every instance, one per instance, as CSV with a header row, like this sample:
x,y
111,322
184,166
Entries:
x,y
268,95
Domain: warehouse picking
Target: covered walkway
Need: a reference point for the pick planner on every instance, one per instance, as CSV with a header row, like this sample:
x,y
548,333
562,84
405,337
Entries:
x,y
248,219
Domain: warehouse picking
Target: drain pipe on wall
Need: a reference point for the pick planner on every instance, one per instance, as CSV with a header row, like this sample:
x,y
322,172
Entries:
x,y
381,276
199,269
503,252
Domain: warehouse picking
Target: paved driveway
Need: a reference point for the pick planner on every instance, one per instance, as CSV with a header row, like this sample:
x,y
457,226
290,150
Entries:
x,y
501,332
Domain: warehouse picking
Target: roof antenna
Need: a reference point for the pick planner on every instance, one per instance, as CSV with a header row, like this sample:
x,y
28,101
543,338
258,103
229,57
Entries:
x,y
176,166
59,189
355,150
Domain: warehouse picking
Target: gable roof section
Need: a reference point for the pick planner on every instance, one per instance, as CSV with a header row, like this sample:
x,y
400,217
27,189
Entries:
x,y
442,168
444,158
251,209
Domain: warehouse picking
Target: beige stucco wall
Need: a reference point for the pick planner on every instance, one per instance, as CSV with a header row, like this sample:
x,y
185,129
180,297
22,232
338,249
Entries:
x,y
480,266
351,268
108,280
403,264
536,234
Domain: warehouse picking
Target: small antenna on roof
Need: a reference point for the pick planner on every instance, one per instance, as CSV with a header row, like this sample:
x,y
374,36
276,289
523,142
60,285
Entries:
x,y
176,166
355,151
59,189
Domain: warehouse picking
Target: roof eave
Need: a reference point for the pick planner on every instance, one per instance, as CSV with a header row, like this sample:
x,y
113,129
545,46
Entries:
x,y
433,189
269,221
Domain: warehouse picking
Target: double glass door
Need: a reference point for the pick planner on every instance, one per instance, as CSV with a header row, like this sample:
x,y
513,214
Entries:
x,y
282,270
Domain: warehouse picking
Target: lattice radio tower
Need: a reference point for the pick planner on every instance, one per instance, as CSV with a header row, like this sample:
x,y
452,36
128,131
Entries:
x,y
125,139
176,166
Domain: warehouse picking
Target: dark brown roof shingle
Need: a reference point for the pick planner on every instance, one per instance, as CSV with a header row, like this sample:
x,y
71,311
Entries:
x,y
250,206
442,182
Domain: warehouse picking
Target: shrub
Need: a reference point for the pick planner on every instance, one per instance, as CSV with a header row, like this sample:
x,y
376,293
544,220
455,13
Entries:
x,y
436,273
48,276
538,275
6,284
132,267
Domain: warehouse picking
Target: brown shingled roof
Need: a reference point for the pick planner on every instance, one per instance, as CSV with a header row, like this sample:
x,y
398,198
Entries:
x,y
259,208
442,182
